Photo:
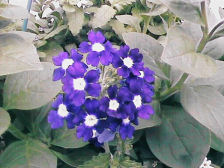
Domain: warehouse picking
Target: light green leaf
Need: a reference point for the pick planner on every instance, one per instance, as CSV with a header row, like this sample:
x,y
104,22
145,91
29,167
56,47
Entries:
x,y
180,141
130,20
4,23
206,105
17,53
27,154
157,30
100,161
30,90
102,16
189,10
157,10
13,12
55,32
4,120
119,4
179,53
128,163
215,48
217,143
216,80
75,21
118,27
66,138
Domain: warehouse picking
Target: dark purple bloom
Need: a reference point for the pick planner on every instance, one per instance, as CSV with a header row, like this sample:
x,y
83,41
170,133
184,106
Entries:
x,y
90,121
65,61
116,105
99,50
77,84
128,61
63,110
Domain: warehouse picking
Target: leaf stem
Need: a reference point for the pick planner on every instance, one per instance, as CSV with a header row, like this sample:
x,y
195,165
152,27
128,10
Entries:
x,y
16,132
106,147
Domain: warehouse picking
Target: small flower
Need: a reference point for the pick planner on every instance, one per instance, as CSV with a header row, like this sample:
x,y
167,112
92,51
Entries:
x,y
90,121
128,62
64,61
98,50
116,104
63,110
84,3
206,163
147,75
77,85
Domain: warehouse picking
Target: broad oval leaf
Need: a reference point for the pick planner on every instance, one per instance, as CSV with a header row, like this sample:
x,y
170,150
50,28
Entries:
x,y
17,53
189,10
206,105
66,138
130,20
27,154
30,90
157,10
13,12
4,120
215,48
102,16
180,141
75,21
179,52
217,143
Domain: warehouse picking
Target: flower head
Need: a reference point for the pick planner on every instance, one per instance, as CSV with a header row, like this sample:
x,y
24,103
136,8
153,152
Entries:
x,y
206,163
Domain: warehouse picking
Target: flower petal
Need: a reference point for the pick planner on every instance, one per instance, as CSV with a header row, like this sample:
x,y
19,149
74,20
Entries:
x,y
149,75
96,37
126,131
104,104
93,89
135,55
106,58
145,112
117,61
55,120
124,95
112,91
92,76
91,105
58,74
136,85
77,69
78,98
85,47
123,71
58,101
57,60
93,58
75,55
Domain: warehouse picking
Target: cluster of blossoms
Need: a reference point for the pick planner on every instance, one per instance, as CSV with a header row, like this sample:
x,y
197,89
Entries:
x,y
104,93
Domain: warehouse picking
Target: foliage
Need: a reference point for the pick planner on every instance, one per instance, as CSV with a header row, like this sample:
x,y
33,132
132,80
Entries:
x,y
180,43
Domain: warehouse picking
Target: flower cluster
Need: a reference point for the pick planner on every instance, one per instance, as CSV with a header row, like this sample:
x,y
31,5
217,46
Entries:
x,y
104,93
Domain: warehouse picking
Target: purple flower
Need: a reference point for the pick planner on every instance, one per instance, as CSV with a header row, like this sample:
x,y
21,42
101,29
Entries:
x,y
147,75
90,121
63,110
64,61
98,50
77,84
128,62
116,105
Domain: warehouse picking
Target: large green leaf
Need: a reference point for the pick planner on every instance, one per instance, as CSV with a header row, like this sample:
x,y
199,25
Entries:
x,y
180,141
66,138
206,105
133,21
13,12
189,10
215,48
102,16
30,90
217,143
4,120
27,154
179,52
17,53
100,161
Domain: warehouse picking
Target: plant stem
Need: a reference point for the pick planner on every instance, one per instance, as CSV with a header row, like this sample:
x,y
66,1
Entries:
x,y
106,147
16,132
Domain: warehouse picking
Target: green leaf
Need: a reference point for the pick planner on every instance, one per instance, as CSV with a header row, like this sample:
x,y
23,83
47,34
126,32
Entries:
x,y
216,80
27,154
55,32
78,157
189,10
102,16
157,30
215,48
130,20
206,105
75,21
30,90
217,143
179,52
127,163
17,53
180,141
119,4
4,120
13,12
4,23
157,10
100,161
66,138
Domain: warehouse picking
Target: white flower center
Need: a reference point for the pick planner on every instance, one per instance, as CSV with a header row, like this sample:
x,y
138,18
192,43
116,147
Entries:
x,y
62,110
128,62
79,84
142,74
94,133
126,121
91,120
113,105
66,63
137,101
98,47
